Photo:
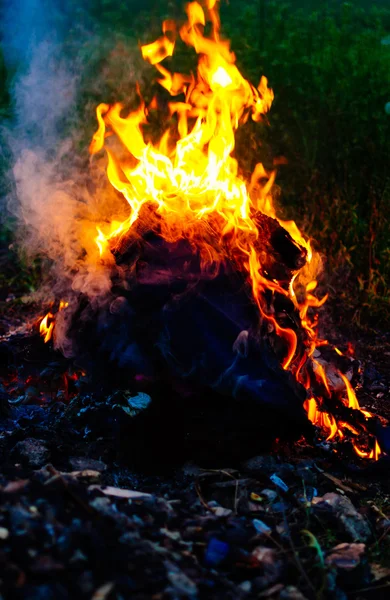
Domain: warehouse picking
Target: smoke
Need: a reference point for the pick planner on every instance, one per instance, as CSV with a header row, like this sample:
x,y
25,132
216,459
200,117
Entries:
x,y
61,67
44,83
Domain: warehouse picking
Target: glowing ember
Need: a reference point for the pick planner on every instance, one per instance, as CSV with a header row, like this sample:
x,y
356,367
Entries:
x,y
190,178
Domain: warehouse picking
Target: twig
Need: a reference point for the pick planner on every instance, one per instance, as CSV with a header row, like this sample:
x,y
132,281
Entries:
x,y
57,476
371,589
202,500
296,556
236,497
384,534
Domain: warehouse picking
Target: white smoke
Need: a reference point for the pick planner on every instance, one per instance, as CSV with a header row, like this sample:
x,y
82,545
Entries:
x,y
58,195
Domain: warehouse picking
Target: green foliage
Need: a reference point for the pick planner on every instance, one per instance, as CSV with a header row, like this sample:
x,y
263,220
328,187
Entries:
x,y
331,76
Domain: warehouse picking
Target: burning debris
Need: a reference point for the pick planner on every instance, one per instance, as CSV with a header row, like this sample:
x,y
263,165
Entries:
x,y
202,273
182,334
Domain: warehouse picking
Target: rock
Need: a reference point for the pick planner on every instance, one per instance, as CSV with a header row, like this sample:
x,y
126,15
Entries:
x,y
341,508
32,452
291,593
351,565
379,572
346,556
79,463
270,495
271,567
182,584
13,487
220,511
103,591
260,464
87,476
245,587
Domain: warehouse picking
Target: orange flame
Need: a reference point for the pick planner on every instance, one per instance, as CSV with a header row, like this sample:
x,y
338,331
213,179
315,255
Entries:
x,y
371,454
46,326
189,176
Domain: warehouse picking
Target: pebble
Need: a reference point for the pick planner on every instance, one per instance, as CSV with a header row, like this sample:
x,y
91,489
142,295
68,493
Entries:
x,y
32,452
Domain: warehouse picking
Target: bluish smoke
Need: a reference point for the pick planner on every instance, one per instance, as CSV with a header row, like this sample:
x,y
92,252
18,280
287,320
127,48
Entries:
x,y
42,82
24,25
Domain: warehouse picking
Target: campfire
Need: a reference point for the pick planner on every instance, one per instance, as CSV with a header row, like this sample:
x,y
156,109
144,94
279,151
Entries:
x,y
202,270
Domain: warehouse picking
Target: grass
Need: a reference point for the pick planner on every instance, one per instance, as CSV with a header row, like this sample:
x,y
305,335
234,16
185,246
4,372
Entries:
x,y
331,74
330,69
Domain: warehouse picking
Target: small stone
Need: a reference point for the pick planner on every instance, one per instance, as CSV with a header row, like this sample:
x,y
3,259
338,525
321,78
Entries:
x,y
13,487
264,555
260,464
291,593
32,452
172,535
78,556
246,587
271,567
351,564
340,507
270,495
103,591
182,584
220,511
346,556
79,463
4,533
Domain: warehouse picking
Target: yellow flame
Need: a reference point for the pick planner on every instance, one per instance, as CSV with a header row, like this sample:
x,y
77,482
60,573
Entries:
x,y
190,177
46,327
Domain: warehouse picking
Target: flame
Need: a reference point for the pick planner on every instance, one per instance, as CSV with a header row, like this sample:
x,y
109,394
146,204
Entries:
x,y
190,177
46,325
371,454
352,400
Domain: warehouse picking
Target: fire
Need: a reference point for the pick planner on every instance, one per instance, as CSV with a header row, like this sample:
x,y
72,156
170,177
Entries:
x,y
46,325
190,177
